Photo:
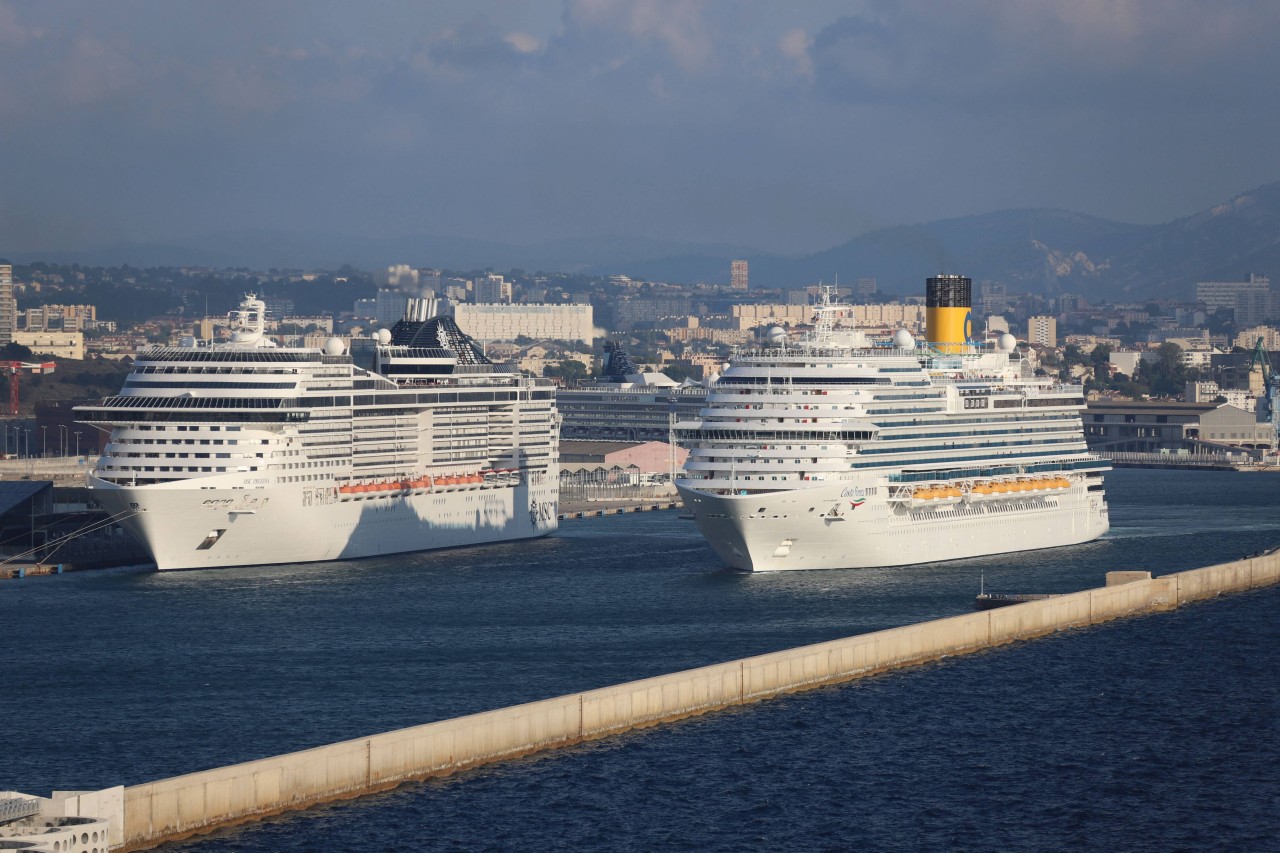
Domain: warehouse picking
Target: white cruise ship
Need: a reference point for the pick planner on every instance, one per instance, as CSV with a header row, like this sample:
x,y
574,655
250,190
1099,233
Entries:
x,y
830,452
246,453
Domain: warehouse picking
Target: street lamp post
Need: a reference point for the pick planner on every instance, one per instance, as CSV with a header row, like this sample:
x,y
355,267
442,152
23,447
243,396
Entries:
x,y
63,435
44,440
77,444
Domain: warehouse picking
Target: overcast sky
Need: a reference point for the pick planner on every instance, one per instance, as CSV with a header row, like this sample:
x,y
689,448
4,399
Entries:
x,y
783,126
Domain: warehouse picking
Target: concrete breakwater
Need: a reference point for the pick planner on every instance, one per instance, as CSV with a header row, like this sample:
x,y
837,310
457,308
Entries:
x,y
197,802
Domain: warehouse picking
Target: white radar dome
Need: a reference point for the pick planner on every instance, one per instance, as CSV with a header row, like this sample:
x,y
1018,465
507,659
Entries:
x,y
1008,343
334,346
776,336
188,342
384,336
902,339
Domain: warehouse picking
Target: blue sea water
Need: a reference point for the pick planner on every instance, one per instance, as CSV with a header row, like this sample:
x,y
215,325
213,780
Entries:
x,y
1156,733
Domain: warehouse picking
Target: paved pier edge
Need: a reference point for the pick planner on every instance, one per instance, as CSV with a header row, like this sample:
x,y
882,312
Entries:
x,y
200,802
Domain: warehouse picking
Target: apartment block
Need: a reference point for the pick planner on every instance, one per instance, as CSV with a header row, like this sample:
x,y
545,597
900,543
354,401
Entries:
x,y
503,322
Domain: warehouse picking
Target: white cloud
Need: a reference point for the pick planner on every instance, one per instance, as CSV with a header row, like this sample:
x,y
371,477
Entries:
x,y
13,33
522,42
794,45
95,71
678,25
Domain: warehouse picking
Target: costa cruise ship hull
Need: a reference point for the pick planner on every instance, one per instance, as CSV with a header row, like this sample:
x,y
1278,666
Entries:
x,y
836,451
822,528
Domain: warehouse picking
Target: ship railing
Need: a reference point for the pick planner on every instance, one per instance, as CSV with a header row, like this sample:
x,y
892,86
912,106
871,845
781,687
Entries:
x,y
775,354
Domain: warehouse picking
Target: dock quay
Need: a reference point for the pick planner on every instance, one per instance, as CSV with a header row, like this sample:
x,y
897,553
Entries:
x,y
1189,462
177,807
570,510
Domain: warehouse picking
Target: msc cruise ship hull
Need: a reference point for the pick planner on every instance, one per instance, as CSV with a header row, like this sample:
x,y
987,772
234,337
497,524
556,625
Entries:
x,y
197,528
821,528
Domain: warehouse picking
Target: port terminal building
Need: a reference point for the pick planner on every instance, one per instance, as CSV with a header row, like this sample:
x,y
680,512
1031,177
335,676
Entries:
x,y
1114,426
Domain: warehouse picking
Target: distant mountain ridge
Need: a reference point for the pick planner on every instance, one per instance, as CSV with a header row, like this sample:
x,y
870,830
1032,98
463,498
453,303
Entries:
x,y
1038,250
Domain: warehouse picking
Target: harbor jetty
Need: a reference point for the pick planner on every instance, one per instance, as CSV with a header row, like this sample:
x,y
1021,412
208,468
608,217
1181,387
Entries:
x,y
199,802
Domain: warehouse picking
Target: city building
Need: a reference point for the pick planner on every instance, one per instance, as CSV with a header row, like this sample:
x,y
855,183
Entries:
x,y
1204,391
67,318
492,289
1248,338
619,461
322,323
1112,426
55,344
708,334
738,275
751,316
1254,307
644,312
1042,331
403,283
430,279
1233,425
503,322
995,297
1140,427
866,287
1221,295
8,305
1125,361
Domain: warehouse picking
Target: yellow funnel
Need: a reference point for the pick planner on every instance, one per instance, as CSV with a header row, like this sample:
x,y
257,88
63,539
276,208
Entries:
x,y
948,319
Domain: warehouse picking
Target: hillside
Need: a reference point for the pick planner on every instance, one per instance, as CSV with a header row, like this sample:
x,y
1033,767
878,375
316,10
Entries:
x,y
1042,250
72,380
1038,250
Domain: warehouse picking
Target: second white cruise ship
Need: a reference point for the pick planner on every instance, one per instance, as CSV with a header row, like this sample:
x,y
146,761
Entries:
x,y
245,453
830,452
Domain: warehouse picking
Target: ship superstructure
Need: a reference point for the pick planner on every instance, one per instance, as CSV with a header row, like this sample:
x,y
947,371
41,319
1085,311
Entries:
x,y
625,404
245,453
833,452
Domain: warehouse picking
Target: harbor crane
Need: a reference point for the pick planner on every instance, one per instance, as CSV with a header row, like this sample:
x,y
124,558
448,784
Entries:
x,y
14,369
1269,400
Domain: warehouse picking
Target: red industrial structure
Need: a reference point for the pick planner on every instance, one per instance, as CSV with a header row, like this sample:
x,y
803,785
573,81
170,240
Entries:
x,y
14,369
